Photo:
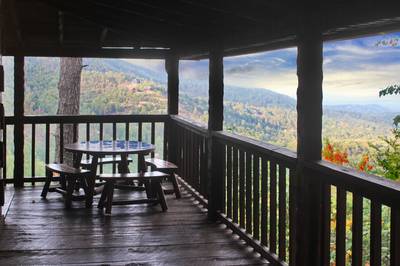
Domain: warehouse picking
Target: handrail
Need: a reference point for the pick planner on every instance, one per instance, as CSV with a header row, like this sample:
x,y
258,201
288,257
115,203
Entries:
x,y
52,119
370,186
190,125
270,150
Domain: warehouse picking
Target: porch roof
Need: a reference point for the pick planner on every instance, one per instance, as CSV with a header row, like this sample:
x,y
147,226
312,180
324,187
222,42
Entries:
x,y
153,28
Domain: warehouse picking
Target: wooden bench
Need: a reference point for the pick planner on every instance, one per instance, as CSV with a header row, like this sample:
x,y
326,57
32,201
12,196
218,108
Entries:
x,y
170,169
152,181
68,176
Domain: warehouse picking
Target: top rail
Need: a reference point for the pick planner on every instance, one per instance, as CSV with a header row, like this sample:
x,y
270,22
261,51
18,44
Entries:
x,y
276,152
76,119
370,186
190,125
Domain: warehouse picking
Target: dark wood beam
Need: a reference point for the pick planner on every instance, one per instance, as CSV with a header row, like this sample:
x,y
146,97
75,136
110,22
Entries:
x,y
125,23
82,51
172,68
9,6
19,88
215,123
137,10
61,27
309,144
103,36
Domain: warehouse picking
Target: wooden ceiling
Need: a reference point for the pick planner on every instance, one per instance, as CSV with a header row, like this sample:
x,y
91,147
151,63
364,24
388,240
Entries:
x,y
189,28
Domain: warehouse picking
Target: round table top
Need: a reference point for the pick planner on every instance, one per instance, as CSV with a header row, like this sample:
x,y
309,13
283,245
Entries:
x,y
110,147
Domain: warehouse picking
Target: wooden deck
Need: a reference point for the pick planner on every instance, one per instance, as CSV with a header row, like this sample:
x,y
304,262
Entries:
x,y
42,232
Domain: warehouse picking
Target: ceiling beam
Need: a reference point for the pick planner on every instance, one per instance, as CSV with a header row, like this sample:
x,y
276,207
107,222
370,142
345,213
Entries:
x,y
54,51
12,12
61,27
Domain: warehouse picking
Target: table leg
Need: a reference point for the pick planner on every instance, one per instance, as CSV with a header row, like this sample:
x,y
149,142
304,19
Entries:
x,y
90,180
123,165
141,163
77,159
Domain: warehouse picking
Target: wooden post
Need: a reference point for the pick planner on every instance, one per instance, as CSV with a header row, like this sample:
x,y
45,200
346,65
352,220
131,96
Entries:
x,y
215,123
2,148
172,68
309,144
19,80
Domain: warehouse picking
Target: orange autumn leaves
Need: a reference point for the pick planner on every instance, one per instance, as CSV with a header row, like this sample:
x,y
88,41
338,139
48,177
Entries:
x,y
337,156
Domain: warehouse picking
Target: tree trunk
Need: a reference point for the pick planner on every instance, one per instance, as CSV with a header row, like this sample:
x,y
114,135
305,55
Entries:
x,y
69,89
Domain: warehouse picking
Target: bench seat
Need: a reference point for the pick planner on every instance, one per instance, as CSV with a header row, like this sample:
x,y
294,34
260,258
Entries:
x,y
169,168
151,180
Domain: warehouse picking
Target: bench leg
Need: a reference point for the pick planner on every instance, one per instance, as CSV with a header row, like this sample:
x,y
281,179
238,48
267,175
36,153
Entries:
x,y
70,189
47,184
110,195
175,185
103,196
160,195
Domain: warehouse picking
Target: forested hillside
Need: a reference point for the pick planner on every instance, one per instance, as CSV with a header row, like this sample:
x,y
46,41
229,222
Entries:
x,y
114,86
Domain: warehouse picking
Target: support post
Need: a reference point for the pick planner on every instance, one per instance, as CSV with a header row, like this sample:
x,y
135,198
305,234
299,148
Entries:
x,y
215,123
172,68
309,143
19,80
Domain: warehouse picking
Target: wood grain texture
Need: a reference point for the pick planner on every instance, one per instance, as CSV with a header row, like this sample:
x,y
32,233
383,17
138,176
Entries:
x,y
43,232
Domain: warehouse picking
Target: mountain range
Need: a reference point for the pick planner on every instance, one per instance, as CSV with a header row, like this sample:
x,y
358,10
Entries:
x,y
118,86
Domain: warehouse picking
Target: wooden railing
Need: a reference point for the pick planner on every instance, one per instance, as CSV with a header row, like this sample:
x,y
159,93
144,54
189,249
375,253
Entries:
x,y
191,148
257,199
259,194
41,130
351,203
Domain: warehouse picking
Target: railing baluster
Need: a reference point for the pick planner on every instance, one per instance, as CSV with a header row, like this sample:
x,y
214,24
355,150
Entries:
x,y
376,234
256,197
341,227
235,184
33,157
242,179
153,137
272,207
114,137
249,182
87,131
357,228
47,144
61,142
264,201
87,136
140,127
394,236
5,153
75,132
229,181
326,224
101,135
196,161
292,216
282,212
126,131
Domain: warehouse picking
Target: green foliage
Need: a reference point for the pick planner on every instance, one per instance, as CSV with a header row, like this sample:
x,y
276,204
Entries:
x,y
388,155
390,90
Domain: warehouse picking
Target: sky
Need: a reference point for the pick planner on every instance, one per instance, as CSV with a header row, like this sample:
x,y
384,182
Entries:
x,y
354,70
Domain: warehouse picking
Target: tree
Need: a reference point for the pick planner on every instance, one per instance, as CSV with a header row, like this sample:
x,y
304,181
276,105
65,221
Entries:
x,y
388,156
69,90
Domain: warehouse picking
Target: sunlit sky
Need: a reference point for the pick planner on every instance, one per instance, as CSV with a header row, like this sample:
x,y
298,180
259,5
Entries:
x,y
354,71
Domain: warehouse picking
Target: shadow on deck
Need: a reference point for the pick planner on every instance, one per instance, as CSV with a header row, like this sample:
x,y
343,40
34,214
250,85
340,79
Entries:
x,y
41,231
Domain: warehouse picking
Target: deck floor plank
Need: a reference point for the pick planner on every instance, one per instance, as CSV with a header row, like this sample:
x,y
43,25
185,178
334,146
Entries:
x,y
41,231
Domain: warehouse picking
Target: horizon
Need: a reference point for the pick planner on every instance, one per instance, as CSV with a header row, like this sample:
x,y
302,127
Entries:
x,y
354,71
